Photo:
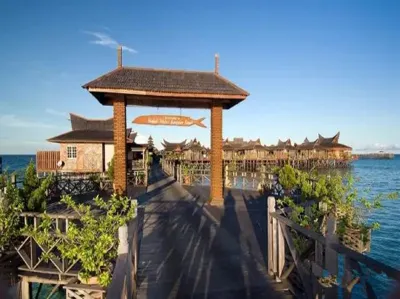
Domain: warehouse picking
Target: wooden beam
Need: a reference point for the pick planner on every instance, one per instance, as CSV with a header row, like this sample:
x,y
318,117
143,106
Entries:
x,y
166,94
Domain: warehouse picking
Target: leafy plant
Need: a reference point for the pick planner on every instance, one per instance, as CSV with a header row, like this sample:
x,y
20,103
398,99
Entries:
x,y
94,242
34,190
110,170
288,177
10,208
333,194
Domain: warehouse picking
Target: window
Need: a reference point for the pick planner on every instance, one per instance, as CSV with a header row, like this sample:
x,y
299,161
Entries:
x,y
71,152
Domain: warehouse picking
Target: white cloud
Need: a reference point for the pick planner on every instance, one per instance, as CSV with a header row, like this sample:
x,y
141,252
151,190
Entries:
x,y
11,120
106,40
56,113
141,139
381,147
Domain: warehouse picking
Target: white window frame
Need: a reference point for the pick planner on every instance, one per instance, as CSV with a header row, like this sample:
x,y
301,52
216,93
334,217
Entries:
x,y
71,152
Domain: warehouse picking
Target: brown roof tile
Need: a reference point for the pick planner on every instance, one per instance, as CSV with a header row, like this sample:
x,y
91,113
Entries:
x,y
82,123
87,136
166,81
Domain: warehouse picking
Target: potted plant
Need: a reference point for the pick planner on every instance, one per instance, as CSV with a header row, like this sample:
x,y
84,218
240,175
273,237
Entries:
x,y
94,242
186,174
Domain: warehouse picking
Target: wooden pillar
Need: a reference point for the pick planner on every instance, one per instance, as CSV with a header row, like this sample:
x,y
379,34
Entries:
x,y
120,145
216,155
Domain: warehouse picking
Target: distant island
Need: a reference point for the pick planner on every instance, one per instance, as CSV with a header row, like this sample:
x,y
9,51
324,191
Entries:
x,y
379,155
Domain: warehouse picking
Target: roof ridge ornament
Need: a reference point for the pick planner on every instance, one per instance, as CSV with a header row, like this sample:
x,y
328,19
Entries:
x,y
216,65
119,56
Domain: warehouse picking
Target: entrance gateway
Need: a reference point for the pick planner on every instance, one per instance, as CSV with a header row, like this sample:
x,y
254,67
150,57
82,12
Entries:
x,y
135,86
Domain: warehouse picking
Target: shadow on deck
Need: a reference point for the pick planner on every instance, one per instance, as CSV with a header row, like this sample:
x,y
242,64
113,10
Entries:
x,y
192,250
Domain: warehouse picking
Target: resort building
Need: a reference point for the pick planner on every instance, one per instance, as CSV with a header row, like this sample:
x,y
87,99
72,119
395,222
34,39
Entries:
x,y
192,150
321,152
240,149
89,147
323,148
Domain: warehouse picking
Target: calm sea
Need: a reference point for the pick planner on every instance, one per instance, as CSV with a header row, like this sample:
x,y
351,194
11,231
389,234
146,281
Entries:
x,y
380,176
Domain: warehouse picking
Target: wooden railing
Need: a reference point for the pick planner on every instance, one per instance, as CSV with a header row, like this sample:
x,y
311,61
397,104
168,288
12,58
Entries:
x,y
317,275
79,184
46,161
200,174
138,177
31,251
40,260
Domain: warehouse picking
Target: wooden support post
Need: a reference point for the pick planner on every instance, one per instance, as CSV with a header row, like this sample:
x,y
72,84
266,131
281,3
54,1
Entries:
x,y
331,256
216,155
120,175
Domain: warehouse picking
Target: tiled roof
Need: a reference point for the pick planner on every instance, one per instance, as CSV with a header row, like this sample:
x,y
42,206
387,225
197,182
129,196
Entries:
x,y
156,80
88,136
84,136
170,146
81,123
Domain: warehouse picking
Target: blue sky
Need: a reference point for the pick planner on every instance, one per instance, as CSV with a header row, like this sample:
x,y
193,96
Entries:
x,y
310,66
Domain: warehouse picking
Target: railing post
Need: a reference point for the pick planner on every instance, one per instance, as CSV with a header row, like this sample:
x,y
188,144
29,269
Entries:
x,y
270,234
14,180
180,174
25,289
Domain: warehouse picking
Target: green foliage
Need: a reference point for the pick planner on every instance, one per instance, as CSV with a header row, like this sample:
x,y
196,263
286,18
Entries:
x,y
333,194
110,170
31,181
4,179
34,190
44,234
150,143
288,177
38,200
10,208
94,243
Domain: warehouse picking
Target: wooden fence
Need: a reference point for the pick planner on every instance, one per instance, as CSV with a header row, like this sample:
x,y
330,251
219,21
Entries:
x,y
316,275
46,161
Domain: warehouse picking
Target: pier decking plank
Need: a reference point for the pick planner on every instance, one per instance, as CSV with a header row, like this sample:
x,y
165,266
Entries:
x,y
189,251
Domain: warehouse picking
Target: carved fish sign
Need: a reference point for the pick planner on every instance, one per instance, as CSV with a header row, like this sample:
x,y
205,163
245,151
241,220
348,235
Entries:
x,y
168,120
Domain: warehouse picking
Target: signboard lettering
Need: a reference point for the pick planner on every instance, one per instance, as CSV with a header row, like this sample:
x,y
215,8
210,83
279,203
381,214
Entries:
x,y
168,120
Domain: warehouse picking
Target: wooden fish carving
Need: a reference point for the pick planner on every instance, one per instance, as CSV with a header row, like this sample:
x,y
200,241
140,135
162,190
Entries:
x,y
168,120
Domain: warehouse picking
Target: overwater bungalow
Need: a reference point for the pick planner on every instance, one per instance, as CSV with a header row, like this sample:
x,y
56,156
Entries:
x,y
237,149
172,148
322,152
191,151
195,151
89,147
324,148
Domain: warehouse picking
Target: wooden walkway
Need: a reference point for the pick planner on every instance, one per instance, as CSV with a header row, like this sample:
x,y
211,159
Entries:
x,y
190,251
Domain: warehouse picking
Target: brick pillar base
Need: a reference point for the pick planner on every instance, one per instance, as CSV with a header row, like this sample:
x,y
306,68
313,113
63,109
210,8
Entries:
x,y
119,145
216,156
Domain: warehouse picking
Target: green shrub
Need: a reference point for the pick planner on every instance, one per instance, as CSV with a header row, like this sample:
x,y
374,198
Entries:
x,y
110,170
10,208
34,190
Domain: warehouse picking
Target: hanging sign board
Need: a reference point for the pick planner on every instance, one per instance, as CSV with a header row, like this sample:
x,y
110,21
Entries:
x,y
168,120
